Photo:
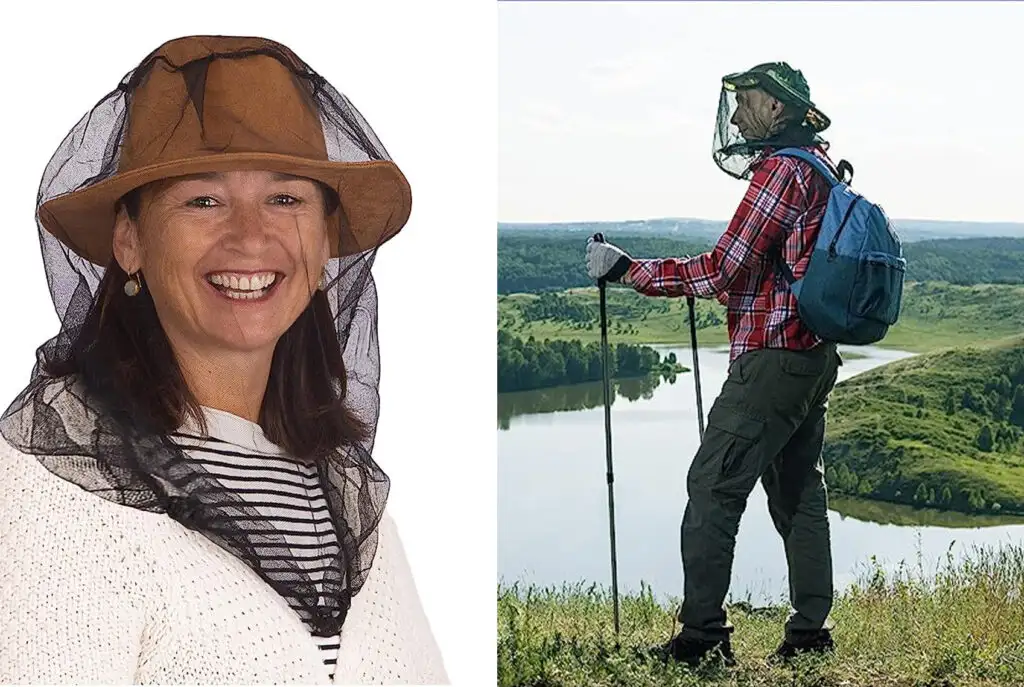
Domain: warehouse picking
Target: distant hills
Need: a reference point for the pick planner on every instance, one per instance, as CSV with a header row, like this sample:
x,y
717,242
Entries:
x,y
909,230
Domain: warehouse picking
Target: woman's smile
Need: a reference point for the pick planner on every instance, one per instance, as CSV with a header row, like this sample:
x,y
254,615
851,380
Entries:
x,y
245,288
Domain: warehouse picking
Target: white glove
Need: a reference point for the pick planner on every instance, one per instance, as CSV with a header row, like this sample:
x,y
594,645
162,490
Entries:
x,y
606,261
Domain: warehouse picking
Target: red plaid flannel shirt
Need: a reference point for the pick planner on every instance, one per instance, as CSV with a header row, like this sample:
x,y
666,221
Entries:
x,y
784,204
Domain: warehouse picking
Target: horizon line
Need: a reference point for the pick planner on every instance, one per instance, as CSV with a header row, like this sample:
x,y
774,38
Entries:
x,y
705,219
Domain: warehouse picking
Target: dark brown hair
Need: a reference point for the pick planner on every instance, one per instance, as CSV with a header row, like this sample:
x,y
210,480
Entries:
x,y
125,359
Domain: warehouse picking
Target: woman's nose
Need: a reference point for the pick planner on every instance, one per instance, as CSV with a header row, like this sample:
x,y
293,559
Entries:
x,y
246,223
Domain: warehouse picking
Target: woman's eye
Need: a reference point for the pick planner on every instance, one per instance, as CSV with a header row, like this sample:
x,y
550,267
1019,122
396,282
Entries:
x,y
208,202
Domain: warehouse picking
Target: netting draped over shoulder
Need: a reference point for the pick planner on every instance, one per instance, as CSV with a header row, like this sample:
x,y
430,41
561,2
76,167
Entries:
x,y
186,106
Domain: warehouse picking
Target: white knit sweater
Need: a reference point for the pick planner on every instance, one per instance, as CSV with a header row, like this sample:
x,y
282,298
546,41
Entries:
x,y
92,592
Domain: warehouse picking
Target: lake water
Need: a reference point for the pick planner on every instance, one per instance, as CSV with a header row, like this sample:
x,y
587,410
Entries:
x,y
552,493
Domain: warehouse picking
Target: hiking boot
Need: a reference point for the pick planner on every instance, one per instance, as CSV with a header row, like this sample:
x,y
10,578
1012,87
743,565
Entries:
x,y
692,651
817,643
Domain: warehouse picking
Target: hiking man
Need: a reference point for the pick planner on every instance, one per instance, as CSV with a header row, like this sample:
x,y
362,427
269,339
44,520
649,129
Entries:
x,y
768,424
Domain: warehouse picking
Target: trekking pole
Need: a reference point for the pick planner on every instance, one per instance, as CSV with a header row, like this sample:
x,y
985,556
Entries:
x,y
696,365
691,305
601,284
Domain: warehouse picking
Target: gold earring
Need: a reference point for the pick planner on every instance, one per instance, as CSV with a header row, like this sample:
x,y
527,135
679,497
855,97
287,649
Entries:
x,y
133,285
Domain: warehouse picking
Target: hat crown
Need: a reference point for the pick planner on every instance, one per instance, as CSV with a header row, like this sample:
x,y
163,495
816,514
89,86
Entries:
x,y
210,95
214,104
786,76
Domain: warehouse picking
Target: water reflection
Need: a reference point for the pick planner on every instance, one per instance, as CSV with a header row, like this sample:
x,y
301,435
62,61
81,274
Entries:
x,y
574,397
882,513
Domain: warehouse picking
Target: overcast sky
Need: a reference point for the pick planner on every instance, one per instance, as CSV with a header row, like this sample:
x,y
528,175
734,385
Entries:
x,y
607,109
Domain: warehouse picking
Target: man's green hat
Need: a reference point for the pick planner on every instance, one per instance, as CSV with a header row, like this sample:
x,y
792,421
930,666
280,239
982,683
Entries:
x,y
783,82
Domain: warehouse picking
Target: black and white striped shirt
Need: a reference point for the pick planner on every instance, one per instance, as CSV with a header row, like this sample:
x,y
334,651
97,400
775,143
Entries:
x,y
287,493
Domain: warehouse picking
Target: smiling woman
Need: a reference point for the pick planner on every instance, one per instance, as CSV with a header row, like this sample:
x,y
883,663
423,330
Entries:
x,y
187,493
232,260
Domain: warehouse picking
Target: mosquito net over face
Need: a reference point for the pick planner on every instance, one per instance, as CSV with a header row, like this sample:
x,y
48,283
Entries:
x,y
203,104
747,124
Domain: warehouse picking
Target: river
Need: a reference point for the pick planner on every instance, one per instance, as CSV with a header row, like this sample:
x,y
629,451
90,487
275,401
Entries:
x,y
552,493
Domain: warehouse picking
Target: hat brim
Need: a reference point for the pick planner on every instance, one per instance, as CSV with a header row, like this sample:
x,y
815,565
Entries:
x,y
375,197
815,118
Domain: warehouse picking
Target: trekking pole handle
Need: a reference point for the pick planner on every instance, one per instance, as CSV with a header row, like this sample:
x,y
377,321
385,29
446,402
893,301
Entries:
x,y
599,238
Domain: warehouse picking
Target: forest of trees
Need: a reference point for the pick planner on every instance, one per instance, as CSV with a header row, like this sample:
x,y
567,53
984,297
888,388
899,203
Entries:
x,y
990,260
531,262
531,364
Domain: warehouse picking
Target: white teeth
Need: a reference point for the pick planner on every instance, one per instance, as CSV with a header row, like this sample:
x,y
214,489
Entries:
x,y
243,283
245,295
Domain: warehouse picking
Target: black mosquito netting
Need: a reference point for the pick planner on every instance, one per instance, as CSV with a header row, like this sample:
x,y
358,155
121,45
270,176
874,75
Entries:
x,y
81,426
736,154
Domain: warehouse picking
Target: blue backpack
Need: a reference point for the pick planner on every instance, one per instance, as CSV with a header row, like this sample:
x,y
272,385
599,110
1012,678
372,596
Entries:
x,y
853,288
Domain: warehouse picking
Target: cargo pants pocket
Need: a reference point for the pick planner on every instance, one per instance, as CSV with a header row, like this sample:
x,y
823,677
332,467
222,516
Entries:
x,y
727,464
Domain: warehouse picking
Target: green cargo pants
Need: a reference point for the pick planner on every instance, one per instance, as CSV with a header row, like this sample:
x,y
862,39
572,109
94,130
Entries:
x,y
768,423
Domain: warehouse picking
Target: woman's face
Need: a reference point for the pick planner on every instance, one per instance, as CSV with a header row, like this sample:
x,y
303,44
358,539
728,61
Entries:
x,y
230,259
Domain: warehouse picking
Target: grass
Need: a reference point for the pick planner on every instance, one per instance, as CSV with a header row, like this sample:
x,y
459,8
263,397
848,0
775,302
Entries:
x,y
962,625
934,316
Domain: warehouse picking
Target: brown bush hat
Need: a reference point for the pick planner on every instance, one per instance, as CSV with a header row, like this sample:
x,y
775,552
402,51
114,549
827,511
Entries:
x,y
215,103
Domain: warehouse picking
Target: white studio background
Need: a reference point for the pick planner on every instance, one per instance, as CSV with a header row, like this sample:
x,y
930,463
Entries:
x,y
424,75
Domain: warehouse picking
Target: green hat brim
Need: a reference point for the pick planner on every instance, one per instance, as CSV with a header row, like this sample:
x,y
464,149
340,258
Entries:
x,y
739,81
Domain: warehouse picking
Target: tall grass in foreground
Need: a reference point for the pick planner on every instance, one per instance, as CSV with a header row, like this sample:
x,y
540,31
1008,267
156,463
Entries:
x,y
961,625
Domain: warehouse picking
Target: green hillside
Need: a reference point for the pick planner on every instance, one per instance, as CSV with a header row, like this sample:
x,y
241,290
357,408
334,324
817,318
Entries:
x,y
944,429
934,315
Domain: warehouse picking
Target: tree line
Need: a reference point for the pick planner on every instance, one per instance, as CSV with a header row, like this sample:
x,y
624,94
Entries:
x,y
580,311
531,364
532,262
843,480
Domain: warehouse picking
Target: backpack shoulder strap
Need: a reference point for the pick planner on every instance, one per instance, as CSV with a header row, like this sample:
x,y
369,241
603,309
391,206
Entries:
x,y
814,161
811,159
